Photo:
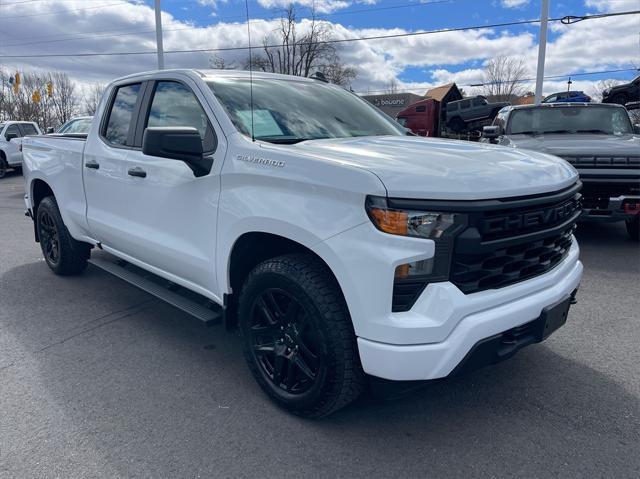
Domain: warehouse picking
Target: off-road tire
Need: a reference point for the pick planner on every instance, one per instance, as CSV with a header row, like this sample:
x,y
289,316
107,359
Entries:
x,y
619,98
457,125
308,281
71,255
4,166
633,227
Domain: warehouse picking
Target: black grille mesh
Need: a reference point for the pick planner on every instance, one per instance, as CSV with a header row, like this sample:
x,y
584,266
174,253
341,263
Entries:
x,y
504,266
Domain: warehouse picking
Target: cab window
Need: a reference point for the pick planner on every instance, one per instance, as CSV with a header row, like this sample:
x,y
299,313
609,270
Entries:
x,y
28,129
121,113
12,130
175,105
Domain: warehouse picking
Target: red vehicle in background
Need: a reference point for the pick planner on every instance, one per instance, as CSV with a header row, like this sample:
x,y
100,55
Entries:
x,y
422,117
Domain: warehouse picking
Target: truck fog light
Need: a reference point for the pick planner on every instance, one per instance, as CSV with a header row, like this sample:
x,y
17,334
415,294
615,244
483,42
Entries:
x,y
417,268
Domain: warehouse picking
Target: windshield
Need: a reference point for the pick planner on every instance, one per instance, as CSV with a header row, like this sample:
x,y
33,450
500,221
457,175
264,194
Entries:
x,y
578,119
289,111
78,126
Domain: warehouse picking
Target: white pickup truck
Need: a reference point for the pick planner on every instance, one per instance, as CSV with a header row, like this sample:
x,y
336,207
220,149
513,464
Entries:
x,y
11,133
293,210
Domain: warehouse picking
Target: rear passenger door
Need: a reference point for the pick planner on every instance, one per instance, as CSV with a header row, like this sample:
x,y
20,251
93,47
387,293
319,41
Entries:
x,y
105,168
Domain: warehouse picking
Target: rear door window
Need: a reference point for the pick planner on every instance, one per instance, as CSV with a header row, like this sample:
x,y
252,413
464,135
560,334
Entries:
x,y
465,104
121,114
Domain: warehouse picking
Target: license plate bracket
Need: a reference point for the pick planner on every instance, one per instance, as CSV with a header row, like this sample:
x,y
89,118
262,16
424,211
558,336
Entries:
x,y
553,317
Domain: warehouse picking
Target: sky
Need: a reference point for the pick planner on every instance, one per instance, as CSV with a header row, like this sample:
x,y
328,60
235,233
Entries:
x,y
415,63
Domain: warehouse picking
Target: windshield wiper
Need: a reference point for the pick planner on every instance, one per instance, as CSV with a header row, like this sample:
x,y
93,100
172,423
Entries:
x,y
558,131
285,140
593,131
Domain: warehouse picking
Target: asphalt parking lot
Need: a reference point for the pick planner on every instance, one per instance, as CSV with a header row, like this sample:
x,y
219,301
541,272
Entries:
x,y
98,379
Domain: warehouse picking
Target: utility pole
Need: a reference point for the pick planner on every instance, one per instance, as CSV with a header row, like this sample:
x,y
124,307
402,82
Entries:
x,y
159,36
569,84
542,49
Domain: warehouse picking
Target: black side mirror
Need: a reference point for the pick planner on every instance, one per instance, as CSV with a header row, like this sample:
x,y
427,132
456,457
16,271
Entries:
x,y
491,132
50,130
10,136
181,143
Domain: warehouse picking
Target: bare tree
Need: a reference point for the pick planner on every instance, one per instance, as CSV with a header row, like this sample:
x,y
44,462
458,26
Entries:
x,y
64,101
219,63
392,87
287,51
91,98
503,78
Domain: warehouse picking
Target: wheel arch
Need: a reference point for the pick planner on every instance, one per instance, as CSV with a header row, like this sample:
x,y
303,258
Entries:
x,y
250,249
39,190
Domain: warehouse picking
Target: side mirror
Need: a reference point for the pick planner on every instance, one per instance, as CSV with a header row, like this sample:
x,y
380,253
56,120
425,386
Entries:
x,y
177,143
491,132
50,130
10,136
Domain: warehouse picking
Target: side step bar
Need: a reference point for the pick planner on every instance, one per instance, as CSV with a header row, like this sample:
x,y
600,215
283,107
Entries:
x,y
187,301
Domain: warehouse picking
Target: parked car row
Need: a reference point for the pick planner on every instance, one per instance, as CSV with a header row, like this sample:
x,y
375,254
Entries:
x,y
12,134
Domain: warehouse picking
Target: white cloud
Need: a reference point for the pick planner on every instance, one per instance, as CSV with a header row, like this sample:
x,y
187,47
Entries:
x,y
321,6
514,3
585,46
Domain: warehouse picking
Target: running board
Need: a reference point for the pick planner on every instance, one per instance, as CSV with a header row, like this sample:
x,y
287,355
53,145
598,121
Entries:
x,y
178,297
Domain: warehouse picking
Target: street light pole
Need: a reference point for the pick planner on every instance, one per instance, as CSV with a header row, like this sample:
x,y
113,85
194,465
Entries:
x,y
542,50
160,49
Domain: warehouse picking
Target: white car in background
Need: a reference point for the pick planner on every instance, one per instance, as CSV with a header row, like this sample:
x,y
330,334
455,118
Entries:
x,y
79,125
11,151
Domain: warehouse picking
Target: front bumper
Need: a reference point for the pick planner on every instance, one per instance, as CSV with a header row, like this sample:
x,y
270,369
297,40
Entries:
x,y
444,324
620,208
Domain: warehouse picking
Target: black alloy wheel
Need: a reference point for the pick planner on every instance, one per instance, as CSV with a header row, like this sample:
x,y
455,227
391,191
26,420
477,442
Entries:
x,y
49,238
284,342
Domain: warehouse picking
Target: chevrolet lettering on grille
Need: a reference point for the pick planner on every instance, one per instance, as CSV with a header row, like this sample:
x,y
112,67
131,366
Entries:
x,y
529,219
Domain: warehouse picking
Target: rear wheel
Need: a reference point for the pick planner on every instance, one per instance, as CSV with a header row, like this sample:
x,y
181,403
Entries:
x,y
457,125
63,254
3,166
298,338
633,227
620,99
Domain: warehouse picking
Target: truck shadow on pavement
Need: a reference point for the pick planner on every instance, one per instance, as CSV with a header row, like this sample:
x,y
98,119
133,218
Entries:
x,y
93,368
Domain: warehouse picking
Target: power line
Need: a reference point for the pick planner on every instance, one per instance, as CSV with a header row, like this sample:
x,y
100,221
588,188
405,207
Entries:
x,y
220,19
335,41
550,77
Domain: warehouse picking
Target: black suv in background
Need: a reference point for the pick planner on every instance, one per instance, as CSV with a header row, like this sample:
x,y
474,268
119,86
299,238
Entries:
x,y
622,94
471,113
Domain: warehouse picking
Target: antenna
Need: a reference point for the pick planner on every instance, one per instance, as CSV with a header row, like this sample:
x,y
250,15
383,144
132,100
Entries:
x,y
246,6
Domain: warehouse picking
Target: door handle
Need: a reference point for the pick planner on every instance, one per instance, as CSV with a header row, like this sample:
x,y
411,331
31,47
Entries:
x,y
94,165
137,171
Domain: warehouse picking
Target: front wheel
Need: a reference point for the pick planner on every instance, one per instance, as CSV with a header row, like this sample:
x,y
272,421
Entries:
x,y
63,254
298,337
633,227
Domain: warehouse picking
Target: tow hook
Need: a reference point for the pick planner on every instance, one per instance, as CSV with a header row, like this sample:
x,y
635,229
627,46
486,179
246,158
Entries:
x,y
573,296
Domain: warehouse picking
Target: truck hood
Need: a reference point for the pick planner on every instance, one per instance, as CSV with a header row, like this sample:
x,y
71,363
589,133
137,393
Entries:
x,y
416,167
579,144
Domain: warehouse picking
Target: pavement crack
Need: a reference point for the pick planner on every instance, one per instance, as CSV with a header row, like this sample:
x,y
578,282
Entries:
x,y
130,311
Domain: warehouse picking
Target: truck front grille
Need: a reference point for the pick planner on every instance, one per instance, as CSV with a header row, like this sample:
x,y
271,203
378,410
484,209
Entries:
x,y
510,264
515,241
604,161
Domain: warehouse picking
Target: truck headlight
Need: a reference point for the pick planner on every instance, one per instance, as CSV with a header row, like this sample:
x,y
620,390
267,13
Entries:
x,y
441,227
418,224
